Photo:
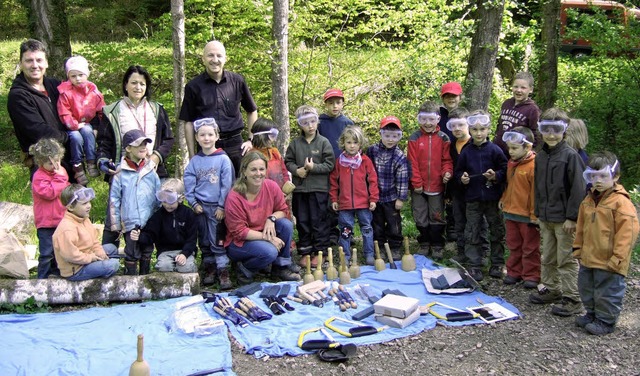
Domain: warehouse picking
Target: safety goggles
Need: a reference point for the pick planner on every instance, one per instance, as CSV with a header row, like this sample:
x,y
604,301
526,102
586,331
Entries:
x,y
168,197
209,122
82,195
428,117
455,124
307,119
604,175
515,138
392,136
480,119
552,126
273,133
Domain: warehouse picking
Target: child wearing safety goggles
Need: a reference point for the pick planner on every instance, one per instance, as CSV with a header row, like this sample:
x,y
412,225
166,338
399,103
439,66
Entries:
x,y
481,168
310,160
171,229
523,237
559,190
78,251
392,169
208,178
47,183
431,168
606,234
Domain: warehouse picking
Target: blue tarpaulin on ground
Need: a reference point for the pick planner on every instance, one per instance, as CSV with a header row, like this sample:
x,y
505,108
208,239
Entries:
x,y
102,341
278,336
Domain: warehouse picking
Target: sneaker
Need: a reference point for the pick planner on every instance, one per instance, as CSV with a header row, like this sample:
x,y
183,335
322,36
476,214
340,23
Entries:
x,y
476,274
496,271
369,260
424,249
545,296
599,328
568,307
584,320
92,169
437,252
78,174
285,274
225,280
509,280
530,284
294,268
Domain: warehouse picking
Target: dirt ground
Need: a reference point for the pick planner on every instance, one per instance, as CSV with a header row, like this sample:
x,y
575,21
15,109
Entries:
x,y
537,344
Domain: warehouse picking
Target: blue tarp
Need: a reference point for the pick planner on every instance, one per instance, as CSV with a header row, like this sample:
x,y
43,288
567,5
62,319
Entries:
x,y
102,341
278,336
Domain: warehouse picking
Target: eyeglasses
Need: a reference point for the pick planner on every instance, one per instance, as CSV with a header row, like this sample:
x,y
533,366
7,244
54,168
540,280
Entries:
x,y
273,133
168,197
209,122
604,175
455,124
82,195
307,119
430,117
480,119
390,135
552,126
515,138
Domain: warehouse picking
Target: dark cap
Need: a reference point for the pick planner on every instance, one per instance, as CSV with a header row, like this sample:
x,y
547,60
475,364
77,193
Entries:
x,y
134,137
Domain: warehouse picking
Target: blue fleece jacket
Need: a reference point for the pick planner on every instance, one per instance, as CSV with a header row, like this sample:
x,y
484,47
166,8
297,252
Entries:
x,y
331,128
208,178
476,160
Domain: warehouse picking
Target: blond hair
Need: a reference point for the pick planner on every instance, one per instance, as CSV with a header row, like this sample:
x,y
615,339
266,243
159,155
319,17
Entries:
x,y
354,132
240,185
46,149
577,134
173,185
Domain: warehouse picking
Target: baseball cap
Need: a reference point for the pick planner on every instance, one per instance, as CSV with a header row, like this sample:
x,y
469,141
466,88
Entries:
x,y
134,137
77,63
390,120
451,88
332,93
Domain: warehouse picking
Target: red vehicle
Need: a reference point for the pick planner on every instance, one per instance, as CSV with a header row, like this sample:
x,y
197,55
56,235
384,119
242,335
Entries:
x,y
615,11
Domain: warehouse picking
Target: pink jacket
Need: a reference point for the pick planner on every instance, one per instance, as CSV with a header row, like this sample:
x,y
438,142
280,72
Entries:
x,y
46,188
78,105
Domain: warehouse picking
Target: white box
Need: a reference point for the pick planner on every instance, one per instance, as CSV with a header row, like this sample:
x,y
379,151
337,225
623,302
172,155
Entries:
x,y
395,322
396,306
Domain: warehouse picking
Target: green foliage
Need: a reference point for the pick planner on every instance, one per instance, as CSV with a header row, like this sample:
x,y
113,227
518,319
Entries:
x,y
28,307
14,180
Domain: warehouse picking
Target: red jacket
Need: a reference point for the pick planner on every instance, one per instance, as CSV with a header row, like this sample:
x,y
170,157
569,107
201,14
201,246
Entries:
x,y
354,189
78,105
429,156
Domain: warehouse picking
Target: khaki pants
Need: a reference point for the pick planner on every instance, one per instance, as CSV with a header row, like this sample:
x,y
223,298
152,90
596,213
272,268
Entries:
x,y
559,268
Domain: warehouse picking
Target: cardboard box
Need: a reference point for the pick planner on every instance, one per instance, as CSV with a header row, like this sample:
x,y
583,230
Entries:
x,y
396,306
395,322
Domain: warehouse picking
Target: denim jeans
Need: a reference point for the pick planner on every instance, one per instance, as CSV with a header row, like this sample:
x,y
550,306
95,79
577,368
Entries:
x,y
346,221
46,261
82,139
258,254
167,263
212,251
99,269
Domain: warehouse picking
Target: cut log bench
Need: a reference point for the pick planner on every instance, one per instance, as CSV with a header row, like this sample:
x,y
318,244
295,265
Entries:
x,y
119,288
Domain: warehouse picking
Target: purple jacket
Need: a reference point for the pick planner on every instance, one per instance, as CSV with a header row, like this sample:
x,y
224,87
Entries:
x,y
525,114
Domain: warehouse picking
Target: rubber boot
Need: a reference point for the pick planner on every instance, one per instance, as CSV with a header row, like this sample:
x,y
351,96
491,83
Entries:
x,y
145,265
225,280
130,268
209,276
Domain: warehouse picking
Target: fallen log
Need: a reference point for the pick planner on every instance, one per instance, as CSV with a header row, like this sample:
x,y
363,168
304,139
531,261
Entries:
x,y
115,289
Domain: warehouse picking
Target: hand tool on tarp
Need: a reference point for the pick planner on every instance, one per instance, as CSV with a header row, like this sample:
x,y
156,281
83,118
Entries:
x,y
254,312
246,290
307,292
373,297
392,264
457,315
272,297
329,349
358,330
224,308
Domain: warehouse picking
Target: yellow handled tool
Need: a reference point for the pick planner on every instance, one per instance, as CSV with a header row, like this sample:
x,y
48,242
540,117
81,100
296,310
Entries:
x,y
359,330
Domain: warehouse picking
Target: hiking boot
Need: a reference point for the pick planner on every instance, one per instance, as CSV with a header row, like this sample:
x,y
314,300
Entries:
x,y
145,266
243,276
545,296
78,174
284,273
369,260
599,328
476,274
584,320
568,307
530,284
294,268
92,169
424,249
396,254
496,271
509,280
130,268
437,252
460,258
209,275
225,280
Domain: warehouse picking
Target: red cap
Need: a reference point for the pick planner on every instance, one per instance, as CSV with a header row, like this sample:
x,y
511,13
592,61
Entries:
x,y
390,120
332,93
451,88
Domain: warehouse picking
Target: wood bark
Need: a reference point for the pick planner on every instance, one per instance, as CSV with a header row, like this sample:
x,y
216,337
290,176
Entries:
x,y
115,289
179,80
484,50
279,71
48,24
550,43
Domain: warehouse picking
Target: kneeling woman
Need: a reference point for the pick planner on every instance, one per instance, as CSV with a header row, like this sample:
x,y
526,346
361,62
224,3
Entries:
x,y
258,234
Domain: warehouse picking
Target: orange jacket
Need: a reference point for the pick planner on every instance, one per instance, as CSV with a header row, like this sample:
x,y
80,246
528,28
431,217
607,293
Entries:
x,y
518,197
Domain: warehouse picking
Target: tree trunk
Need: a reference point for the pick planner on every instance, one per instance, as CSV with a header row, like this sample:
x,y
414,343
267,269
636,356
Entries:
x,y
48,24
484,50
550,43
115,289
279,71
179,78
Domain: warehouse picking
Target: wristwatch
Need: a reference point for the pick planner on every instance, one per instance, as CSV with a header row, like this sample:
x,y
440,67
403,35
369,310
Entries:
x,y
272,218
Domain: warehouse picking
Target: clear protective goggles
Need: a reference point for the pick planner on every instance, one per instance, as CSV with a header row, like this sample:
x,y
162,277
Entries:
x,y
515,138
552,126
209,122
455,124
82,195
167,197
305,120
480,119
273,133
603,175
391,136
428,117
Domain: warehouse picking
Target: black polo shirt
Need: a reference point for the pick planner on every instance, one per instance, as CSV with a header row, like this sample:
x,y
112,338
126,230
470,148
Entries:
x,y
204,97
